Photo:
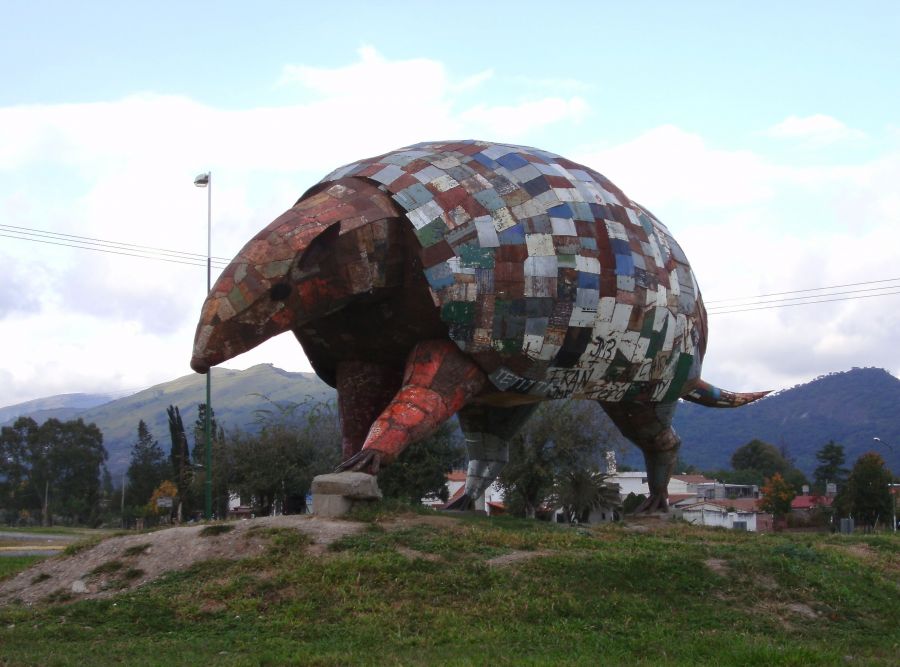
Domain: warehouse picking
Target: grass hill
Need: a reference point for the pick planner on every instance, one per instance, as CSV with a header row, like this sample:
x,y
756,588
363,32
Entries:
x,y
423,589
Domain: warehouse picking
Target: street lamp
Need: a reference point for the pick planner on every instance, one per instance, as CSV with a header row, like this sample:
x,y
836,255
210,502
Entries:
x,y
891,485
205,181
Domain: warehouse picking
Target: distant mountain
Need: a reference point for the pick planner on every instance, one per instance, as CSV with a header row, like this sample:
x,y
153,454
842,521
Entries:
x,y
235,397
850,408
61,406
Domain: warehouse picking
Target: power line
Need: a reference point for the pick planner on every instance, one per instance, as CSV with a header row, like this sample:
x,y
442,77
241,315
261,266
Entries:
x,y
91,240
109,247
799,291
805,303
196,259
109,252
803,298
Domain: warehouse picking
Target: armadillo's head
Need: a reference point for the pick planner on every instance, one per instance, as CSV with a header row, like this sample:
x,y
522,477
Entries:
x,y
267,289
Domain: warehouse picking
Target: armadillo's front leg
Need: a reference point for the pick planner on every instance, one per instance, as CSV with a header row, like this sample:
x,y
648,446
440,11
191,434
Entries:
x,y
363,389
439,380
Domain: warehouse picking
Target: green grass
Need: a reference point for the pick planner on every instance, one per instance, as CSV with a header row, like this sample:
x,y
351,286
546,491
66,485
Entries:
x,y
426,594
12,565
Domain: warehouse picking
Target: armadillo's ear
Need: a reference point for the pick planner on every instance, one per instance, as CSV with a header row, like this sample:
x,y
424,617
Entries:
x,y
315,258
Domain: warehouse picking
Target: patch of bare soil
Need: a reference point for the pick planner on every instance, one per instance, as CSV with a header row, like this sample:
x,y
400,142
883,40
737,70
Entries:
x,y
717,565
122,563
515,557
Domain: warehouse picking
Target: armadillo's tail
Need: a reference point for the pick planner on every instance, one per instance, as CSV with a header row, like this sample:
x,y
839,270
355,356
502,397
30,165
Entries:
x,y
703,393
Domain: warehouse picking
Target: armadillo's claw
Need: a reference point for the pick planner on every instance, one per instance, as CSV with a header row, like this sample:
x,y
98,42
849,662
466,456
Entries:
x,y
654,503
461,504
367,460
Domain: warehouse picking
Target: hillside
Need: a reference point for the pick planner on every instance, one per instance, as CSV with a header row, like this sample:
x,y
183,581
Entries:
x,y
850,408
235,396
423,589
61,406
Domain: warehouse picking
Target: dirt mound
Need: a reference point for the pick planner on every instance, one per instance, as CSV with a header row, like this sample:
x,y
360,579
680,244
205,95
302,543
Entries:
x,y
122,563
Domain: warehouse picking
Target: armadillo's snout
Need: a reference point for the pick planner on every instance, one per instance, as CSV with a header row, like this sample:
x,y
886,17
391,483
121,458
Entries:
x,y
199,365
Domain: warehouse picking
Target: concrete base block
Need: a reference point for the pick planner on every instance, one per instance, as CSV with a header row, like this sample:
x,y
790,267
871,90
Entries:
x,y
328,505
336,494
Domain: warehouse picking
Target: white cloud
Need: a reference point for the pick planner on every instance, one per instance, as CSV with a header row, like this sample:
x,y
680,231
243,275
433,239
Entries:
x,y
751,225
122,170
507,122
668,164
817,129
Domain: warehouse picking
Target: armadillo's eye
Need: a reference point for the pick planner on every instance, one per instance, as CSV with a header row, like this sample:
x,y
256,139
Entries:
x,y
280,291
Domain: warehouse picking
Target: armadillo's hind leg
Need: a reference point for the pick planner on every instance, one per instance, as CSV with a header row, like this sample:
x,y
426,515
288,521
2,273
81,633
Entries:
x,y
438,381
488,431
649,426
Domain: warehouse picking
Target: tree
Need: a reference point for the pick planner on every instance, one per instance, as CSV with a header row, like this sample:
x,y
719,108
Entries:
x,y
831,468
866,496
275,467
560,436
14,466
219,481
75,455
421,469
777,495
56,462
148,467
216,433
180,458
580,491
758,461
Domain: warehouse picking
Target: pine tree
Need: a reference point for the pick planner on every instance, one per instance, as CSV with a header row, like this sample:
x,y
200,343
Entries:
x,y
831,458
148,467
179,457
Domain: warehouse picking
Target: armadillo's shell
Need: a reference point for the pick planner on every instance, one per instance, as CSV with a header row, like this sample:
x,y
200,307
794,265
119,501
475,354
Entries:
x,y
547,275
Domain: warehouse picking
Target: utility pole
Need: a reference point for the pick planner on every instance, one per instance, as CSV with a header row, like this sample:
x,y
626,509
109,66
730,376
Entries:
x,y
205,181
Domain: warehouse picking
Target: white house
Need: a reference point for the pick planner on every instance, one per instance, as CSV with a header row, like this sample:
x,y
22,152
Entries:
x,y
710,513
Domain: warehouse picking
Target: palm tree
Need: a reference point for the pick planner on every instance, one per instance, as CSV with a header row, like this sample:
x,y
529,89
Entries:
x,y
580,491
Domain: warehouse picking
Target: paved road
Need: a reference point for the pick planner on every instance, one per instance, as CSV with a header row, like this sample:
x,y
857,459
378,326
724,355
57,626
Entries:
x,y
34,544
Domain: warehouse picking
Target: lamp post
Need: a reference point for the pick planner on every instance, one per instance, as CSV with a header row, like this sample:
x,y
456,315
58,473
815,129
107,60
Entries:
x,y
205,181
891,485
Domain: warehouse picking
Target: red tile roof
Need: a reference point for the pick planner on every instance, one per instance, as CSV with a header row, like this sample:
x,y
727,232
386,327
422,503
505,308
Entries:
x,y
810,502
461,490
456,476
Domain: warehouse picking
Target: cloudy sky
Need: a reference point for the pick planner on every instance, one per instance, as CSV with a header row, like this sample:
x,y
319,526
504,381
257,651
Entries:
x,y
765,135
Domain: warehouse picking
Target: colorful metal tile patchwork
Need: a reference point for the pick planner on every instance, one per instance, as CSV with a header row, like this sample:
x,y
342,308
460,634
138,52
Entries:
x,y
474,278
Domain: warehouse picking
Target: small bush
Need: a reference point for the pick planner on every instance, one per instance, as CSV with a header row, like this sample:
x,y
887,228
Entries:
x,y
216,529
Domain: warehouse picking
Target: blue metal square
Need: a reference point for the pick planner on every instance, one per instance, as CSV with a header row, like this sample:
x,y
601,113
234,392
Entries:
x,y
515,235
512,161
624,265
560,211
588,280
